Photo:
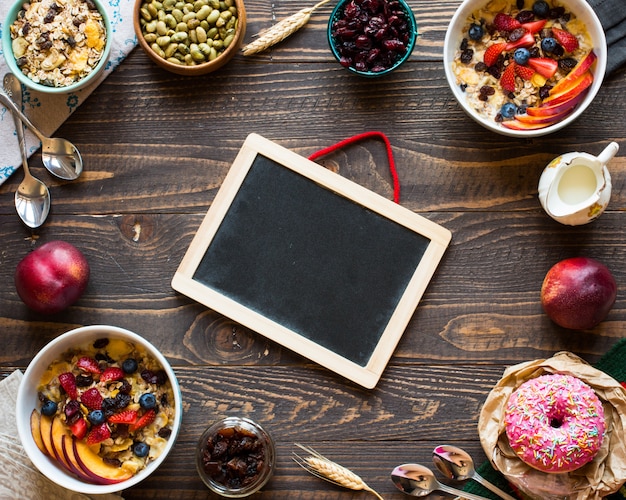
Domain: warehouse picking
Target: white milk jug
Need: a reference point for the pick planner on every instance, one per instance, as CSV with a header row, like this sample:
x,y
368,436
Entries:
x,y
575,188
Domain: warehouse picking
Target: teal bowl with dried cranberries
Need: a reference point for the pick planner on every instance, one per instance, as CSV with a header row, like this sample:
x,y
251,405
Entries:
x,y
372,38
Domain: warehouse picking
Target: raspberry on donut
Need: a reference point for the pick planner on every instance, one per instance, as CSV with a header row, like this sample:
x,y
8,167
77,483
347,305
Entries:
x,y
555,423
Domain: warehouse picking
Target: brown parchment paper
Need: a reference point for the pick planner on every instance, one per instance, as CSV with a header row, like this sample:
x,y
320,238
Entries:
x,y
601,477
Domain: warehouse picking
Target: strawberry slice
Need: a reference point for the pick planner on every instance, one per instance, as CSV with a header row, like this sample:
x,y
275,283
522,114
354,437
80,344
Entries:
x,y
98,433
526,40
88,365
79,428
534,26
68,382
524,72
507,81
123,417
623,384
504,22
146,419
112,374
492,53
568,41
92,399
544,66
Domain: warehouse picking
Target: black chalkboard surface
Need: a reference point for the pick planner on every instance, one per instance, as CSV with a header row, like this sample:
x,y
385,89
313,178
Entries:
x,y
311,260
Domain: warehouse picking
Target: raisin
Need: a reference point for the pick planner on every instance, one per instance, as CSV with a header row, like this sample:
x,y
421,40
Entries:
x,y
525,16
544,91
467,56
520,4
516,34
464,44
567,63
100,343
84,380
480,67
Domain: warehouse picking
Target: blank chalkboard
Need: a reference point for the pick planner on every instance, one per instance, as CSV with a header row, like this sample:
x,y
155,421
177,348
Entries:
x,y
311,260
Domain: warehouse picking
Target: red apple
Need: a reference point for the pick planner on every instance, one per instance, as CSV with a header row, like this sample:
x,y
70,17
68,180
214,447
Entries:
x,y
578,293
52,277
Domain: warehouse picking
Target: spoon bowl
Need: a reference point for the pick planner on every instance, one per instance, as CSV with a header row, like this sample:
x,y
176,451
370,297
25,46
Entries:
x,y
32,198
419,481
59,156
457,464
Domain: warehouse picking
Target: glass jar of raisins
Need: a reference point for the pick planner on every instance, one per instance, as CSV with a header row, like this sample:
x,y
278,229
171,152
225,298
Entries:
x,y
235,457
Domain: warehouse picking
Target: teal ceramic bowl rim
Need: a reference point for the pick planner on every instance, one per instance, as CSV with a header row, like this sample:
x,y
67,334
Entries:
x,y
10,58
370,74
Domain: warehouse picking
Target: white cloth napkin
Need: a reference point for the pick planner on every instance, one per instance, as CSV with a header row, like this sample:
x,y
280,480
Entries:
x,y
19,479
49,112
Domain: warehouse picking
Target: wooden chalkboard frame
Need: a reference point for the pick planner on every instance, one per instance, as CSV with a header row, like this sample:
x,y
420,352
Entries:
x,y
365,374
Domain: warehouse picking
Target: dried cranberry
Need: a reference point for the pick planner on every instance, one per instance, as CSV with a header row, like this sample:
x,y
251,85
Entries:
x,y
370,35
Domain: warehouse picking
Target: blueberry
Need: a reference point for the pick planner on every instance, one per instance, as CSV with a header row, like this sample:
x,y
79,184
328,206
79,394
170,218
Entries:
x,y
521,55
548,44
96,417
508,110
541,8
49,408
147,401
129,366
141,449
476,32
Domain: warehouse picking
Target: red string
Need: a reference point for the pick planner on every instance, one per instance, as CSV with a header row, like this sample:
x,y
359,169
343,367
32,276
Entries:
x,y
360,137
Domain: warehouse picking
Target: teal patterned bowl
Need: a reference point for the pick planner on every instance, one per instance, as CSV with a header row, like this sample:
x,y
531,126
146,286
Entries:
x,y
12,62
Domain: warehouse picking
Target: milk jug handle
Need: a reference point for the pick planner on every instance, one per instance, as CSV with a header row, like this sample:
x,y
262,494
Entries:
x,y
609,152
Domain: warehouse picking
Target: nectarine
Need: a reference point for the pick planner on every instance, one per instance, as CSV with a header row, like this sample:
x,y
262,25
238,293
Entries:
x,y
578,293
52,277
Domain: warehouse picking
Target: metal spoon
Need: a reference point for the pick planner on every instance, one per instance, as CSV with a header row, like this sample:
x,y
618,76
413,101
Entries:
x,y
59,156
32,198
456,463
419,481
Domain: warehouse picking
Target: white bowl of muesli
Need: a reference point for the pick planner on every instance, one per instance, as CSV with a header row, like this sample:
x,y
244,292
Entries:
x,y
98,410
525,68
57,47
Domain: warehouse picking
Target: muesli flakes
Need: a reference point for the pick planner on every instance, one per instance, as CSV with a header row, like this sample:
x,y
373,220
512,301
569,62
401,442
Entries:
x,y
58,42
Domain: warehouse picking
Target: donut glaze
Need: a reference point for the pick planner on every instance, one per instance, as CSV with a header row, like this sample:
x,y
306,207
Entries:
x,y
555,423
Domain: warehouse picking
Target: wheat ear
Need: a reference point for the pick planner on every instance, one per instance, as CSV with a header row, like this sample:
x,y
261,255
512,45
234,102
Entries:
x,y
281,30
326,469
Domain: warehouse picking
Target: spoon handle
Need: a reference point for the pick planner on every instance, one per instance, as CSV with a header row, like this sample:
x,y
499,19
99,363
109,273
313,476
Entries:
x,y
17,112
462,494
478,478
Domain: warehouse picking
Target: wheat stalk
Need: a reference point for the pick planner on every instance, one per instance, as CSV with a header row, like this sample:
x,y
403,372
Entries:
x,y
281,30
326,469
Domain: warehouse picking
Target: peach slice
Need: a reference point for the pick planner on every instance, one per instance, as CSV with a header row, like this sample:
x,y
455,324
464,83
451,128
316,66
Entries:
x,y
570,91
57,431
545,118
518,125
35,429
46,434
68,452
96,468
556,108
577,71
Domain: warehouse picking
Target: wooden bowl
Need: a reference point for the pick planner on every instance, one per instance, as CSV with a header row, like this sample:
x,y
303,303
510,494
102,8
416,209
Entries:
x,y
198,68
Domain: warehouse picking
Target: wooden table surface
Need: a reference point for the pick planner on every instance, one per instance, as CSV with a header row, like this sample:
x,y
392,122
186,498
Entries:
x,y
156,148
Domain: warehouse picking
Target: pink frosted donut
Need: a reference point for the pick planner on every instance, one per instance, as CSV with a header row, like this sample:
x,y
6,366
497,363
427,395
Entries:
x,y
555,423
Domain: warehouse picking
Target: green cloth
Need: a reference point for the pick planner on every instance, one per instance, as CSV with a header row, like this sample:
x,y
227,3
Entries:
x,y
613,363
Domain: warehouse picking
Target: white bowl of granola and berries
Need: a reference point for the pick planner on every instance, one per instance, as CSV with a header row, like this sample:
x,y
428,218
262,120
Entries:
x,y
525,68
57,47
98,410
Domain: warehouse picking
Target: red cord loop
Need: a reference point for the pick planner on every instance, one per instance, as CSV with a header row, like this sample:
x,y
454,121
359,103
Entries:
x,y
360,137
